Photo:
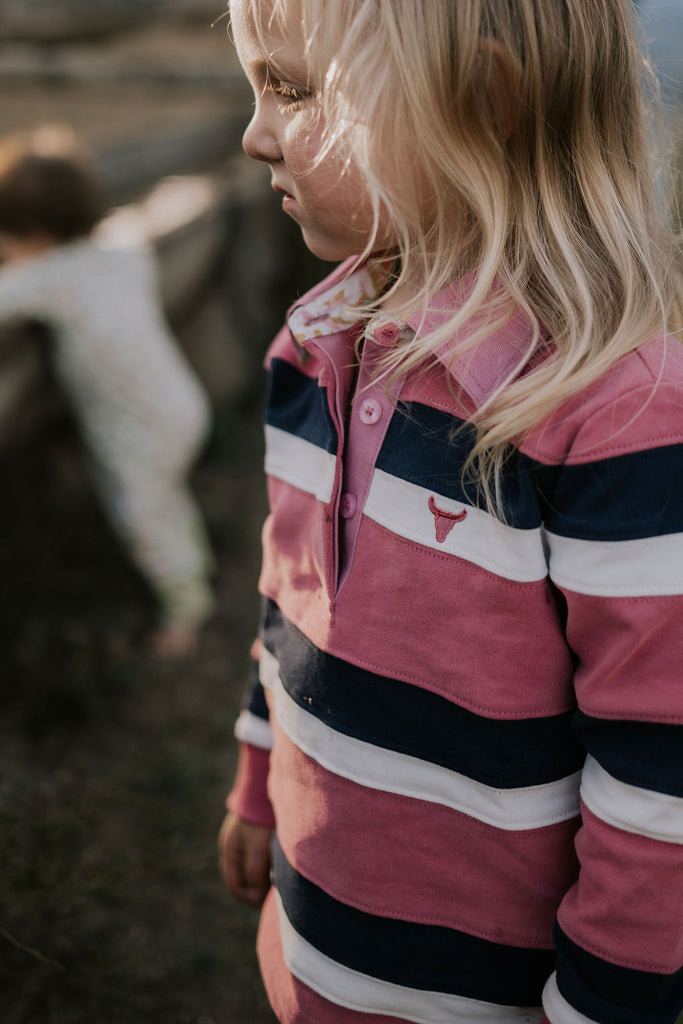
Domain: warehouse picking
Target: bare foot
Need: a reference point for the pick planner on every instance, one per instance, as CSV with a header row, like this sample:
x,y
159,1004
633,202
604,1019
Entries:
x,y
174,641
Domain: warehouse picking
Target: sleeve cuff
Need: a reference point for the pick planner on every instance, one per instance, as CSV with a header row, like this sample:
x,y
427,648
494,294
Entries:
x,y
249,795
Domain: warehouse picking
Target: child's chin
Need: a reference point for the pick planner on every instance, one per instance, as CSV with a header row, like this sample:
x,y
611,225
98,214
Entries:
x,y
329,250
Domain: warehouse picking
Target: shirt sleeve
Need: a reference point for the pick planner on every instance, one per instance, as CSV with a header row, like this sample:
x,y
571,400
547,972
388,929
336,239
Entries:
x,y
22,291
249,795
614,528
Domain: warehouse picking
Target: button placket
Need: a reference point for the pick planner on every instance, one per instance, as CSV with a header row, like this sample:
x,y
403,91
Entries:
x,y
371,414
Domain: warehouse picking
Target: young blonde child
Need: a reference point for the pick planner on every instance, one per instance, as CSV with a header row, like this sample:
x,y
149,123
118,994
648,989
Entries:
x,y
142,413
465,730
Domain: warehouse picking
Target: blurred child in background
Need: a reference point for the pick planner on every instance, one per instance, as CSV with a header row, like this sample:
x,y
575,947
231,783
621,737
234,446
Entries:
x,y
142,413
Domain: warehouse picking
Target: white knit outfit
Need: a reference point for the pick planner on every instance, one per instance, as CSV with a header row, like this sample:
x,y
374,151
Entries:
x,y
142,413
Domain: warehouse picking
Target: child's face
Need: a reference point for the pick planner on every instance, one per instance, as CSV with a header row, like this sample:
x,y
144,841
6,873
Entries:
x,y
16,248
329,201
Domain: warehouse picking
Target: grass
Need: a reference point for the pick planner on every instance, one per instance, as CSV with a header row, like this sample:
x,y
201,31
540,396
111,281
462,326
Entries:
x,y
115,769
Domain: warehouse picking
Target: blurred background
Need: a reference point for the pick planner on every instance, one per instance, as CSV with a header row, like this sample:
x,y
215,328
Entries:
x,y
114,765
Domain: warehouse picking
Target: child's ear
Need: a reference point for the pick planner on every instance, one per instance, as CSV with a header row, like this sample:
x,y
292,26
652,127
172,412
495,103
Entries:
x,y
504,75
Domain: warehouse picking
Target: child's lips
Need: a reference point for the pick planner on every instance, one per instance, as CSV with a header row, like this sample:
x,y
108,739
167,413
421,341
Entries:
x,y
289,203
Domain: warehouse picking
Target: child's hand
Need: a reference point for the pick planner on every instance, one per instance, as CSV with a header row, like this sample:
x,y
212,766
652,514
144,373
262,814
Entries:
x,y
244,859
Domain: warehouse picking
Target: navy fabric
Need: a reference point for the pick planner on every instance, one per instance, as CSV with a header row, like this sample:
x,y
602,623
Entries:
x,y
256,700
609,994
419,956
622,498
645,754
428,447
398,716
299,406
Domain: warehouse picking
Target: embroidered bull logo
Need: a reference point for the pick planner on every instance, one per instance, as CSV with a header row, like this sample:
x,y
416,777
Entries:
x,y
444,521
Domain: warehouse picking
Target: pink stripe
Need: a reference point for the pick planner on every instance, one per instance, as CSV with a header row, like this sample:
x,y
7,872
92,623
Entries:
x,y
628,409
292,1001
393,617
284,347
521,670
626,907
426,863
297,525
630,654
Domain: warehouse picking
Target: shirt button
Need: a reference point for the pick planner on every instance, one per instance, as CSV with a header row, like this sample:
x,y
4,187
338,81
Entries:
x,y
370,410
387,334
348,505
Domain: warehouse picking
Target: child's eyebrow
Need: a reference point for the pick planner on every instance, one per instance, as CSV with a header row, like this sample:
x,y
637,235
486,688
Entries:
x,y
262,69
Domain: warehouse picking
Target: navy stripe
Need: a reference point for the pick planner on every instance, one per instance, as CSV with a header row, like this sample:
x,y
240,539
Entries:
x,y
609,994
419,956
298,405
623,498
255,701
645,754
397,716
429,447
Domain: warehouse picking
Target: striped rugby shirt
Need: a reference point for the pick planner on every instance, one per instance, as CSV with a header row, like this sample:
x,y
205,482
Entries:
x,y
470,731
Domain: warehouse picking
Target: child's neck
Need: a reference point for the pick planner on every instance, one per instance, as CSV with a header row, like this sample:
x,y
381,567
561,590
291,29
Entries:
x,y
395,303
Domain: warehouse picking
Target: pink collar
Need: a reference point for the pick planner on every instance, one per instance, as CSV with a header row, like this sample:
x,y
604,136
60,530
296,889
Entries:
x,y
329,308
491,361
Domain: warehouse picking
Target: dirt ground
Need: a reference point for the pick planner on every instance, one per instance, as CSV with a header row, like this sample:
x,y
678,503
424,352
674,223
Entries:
x,y
115,768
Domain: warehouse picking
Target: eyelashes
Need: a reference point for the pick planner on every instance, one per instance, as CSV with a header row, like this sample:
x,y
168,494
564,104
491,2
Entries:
x,y
290,96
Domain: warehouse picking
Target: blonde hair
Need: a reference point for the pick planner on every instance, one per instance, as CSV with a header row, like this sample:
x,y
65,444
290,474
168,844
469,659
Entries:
x,y
525,121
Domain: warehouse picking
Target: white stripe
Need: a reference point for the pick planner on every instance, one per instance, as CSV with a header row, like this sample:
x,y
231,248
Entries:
x,y
254,730
377,768
556,1007
346,987
300,463
620,568
630,808
403,508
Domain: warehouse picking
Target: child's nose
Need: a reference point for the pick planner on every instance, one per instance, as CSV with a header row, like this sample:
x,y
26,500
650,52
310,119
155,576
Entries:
x,y
259,143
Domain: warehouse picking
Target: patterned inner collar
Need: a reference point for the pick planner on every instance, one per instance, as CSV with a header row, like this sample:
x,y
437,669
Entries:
x,y
498,357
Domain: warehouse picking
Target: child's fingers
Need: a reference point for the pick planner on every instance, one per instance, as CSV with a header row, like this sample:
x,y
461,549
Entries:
x,y
244,859
256,865
229,855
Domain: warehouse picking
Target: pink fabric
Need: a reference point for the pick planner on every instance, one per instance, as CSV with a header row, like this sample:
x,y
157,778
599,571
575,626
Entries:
x,y
495,357
416,614
248,797
364,443
519,673
637,674
616,415
327,829
434,388
640,876
283,348
292,1001
309,582
533,663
